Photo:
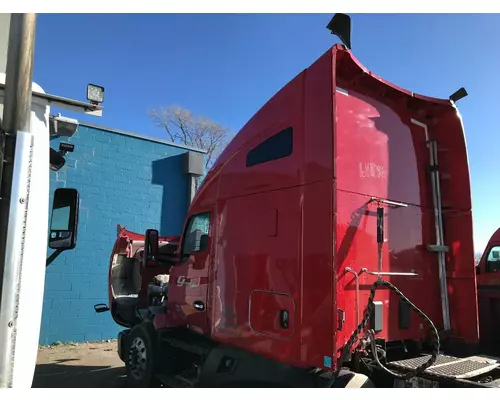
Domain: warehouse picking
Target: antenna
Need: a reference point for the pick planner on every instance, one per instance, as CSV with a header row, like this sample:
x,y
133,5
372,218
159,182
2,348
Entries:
x,y
340,25
459,94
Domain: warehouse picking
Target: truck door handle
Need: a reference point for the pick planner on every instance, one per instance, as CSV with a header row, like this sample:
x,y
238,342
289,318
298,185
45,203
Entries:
x,y
284,319
199,305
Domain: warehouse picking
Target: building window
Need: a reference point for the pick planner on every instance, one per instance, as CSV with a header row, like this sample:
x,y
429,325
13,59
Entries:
x,y
493,260
196,236
274,148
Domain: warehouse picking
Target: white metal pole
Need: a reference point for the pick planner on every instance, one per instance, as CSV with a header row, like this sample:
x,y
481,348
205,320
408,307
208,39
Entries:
x,y
16,117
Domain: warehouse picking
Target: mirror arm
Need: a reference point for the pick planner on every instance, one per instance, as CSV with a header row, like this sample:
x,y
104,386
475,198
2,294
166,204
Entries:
x,y
53,256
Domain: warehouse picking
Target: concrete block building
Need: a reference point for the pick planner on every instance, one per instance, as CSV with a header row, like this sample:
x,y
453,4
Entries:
x,y
123,178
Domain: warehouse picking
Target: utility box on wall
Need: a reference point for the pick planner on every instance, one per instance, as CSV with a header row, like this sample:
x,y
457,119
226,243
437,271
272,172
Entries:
x,y
194,163
122,178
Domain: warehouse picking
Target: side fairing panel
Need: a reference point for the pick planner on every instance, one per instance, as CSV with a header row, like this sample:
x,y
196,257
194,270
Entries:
x,y
318,316
381,151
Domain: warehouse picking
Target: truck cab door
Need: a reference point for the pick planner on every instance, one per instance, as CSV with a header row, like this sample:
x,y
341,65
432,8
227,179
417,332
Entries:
x,y
188,287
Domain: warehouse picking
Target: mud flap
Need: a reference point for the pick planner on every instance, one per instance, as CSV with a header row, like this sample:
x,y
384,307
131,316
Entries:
x,y
123,343
352,380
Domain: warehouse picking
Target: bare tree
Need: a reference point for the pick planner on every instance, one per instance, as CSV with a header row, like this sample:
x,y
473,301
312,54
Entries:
x,y
182,126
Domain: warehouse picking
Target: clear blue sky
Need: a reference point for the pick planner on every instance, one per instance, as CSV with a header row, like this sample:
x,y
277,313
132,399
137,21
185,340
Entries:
x,y
227,66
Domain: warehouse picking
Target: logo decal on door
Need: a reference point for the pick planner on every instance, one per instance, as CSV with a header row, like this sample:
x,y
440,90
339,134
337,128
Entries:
x,y
183,281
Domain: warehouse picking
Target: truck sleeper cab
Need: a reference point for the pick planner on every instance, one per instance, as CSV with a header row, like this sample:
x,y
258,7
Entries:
x,y
331,185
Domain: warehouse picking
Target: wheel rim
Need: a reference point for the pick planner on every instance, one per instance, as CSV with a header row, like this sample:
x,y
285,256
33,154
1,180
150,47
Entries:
x,y
137,358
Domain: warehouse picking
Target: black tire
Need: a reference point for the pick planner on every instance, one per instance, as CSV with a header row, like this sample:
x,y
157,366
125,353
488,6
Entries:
x,y
140,357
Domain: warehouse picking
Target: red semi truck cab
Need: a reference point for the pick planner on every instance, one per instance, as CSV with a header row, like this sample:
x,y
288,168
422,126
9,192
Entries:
x,y
290,210
488,286
340,180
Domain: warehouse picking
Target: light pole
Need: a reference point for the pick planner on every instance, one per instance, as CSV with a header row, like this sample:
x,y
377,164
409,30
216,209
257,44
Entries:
x,y
16,117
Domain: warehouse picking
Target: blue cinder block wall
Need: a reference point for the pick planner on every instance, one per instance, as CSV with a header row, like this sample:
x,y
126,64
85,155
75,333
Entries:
x,y
122,179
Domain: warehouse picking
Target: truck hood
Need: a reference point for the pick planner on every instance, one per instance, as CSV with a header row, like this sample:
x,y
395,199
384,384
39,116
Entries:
x,y
128,279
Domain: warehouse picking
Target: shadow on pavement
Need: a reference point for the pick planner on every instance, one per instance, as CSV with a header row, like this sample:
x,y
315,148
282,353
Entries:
x,y
57,375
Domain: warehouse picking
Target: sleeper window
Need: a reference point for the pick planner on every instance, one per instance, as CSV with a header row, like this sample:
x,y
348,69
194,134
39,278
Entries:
x,y
278,146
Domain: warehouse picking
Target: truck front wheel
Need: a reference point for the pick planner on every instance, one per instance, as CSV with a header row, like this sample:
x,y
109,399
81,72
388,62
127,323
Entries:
x,y
140,359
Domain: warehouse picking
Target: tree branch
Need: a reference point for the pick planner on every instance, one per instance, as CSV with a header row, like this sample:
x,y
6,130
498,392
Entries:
x,y
181,126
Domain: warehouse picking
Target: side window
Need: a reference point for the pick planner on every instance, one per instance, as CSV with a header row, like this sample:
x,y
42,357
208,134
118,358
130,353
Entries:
x,y
493,260
196,236
273,148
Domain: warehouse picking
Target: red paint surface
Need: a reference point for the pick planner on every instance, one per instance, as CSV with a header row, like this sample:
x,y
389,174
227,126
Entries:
x,y
293,225
265,314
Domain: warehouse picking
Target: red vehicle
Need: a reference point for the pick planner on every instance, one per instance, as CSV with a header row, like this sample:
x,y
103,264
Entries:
x,y
488,285
326,247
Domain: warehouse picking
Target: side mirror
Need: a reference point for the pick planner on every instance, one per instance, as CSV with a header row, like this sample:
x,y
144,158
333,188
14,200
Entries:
x,y
203,242
150,248
478,269
64,219
203,246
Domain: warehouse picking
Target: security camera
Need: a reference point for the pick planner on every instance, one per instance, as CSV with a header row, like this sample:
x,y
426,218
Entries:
x,y
66,148
57,161
63,126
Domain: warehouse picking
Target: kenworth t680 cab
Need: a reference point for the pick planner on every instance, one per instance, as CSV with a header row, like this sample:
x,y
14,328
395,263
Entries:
x,y
329,245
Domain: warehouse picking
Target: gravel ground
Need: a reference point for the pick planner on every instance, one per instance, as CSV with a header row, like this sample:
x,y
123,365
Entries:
x,y
82,365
